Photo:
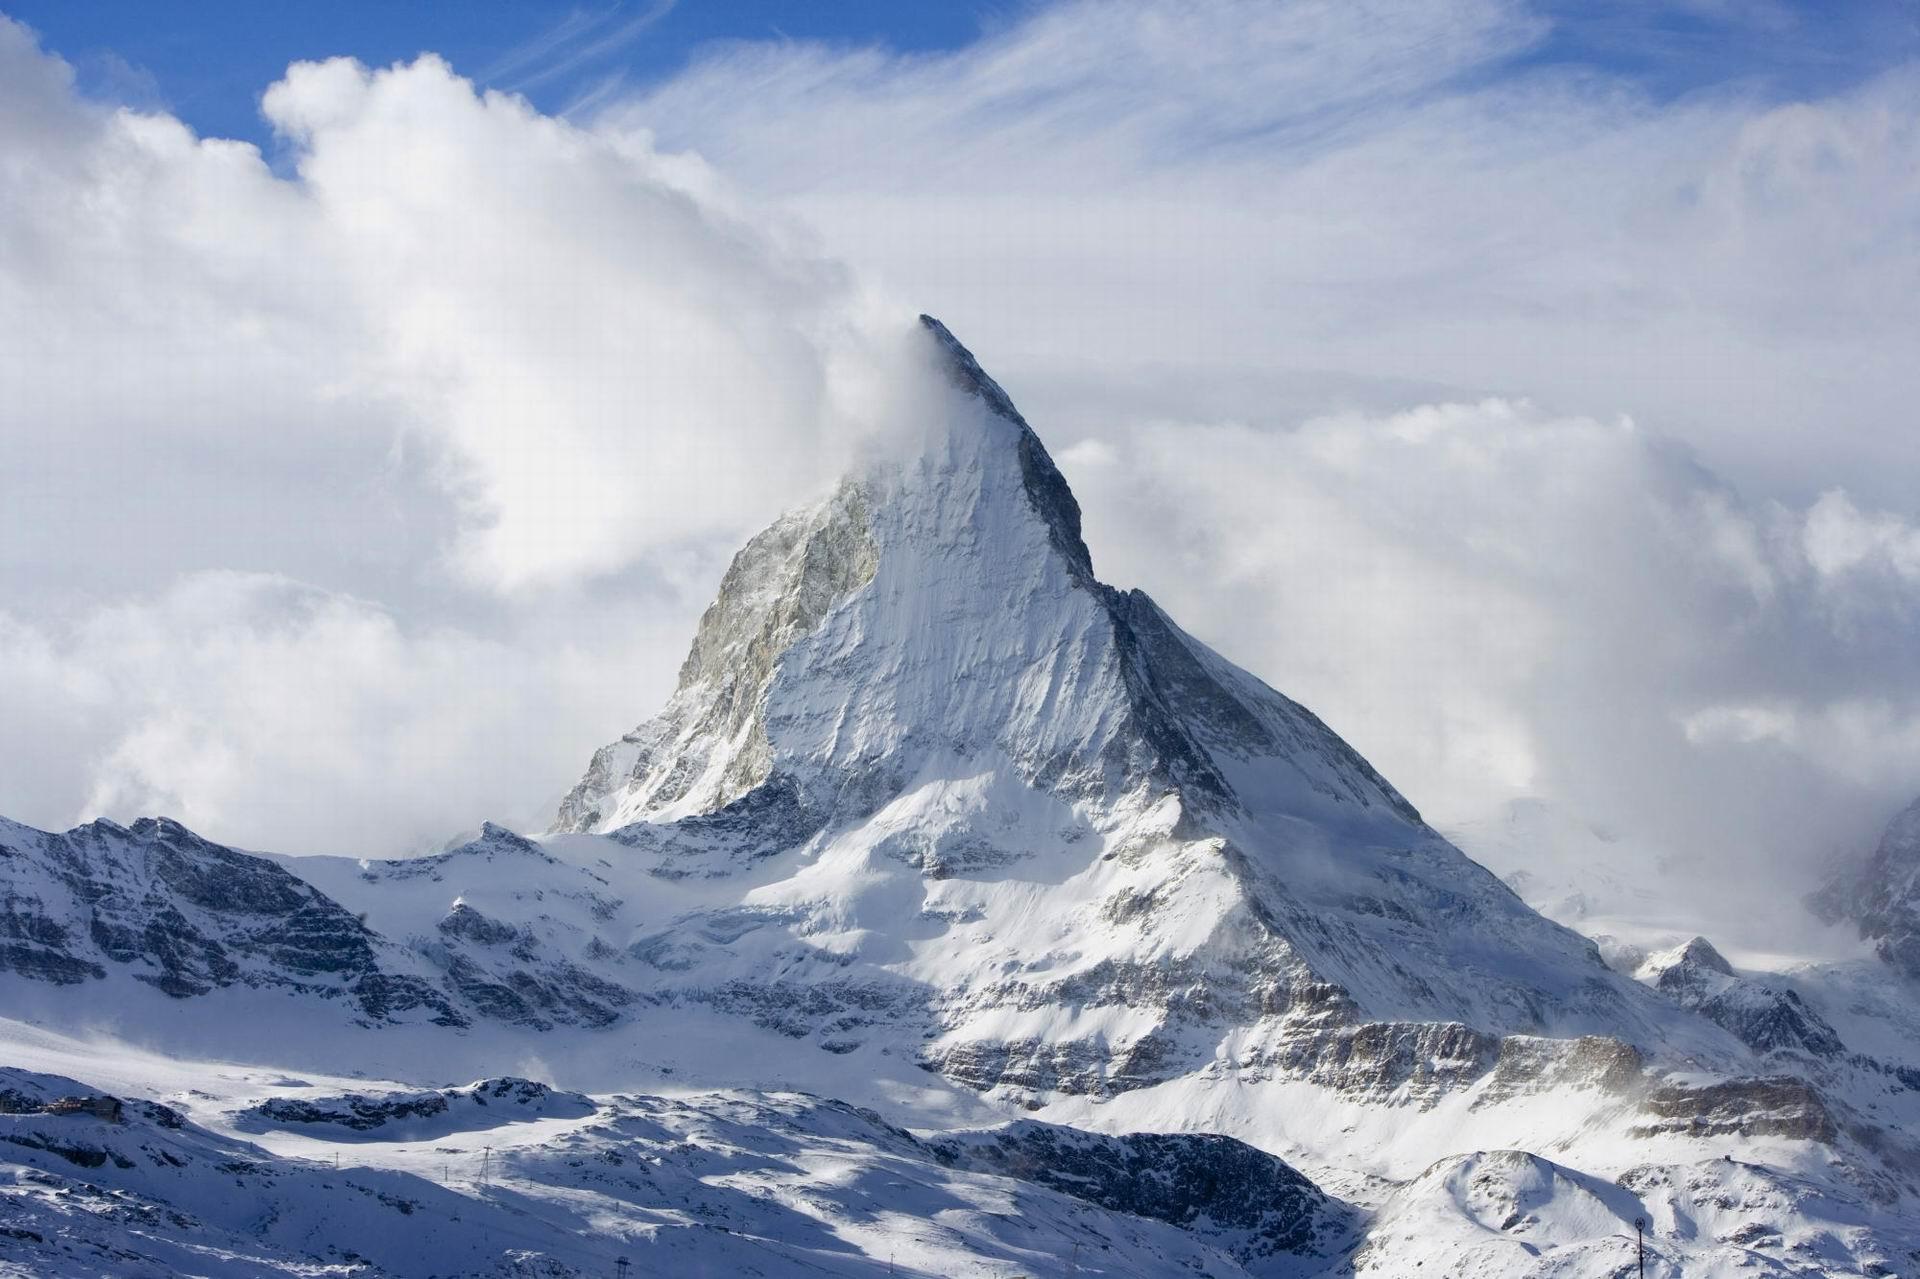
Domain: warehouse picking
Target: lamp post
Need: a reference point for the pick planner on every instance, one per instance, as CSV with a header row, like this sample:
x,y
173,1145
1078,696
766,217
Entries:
x,y
1640,1243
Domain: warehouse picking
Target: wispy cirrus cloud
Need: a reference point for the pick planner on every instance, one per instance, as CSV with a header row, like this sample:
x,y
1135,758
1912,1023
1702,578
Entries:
x,y
1379,192
577,41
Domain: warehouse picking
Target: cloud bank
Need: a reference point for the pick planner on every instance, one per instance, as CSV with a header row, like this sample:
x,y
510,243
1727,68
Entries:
x,y
1541,428
1505,604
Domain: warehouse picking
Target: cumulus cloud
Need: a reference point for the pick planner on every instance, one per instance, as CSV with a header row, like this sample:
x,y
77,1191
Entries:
x,y
276,715
589,351
1840,539
616,361
259,706
1496,603
445,401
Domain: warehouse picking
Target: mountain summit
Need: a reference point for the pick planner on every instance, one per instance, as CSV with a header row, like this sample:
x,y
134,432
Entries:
x,y
947,606
917,697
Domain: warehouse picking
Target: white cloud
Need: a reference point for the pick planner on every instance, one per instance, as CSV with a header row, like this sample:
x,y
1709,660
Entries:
x,y
1743,724
1839,539
588,352
1493,603
283,717
617,362
347,504
1222,205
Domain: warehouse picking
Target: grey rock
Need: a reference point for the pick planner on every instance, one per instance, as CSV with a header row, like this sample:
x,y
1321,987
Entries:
x,y
188,916
1251,1202
485,1104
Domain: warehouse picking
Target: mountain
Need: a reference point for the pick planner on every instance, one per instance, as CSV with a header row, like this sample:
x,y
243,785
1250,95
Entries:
x,y
1765,1017
919,695
187,916
1882,895
1113,959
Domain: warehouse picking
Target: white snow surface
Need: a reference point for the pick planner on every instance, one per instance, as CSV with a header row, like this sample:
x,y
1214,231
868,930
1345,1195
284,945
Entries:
x,y
942,829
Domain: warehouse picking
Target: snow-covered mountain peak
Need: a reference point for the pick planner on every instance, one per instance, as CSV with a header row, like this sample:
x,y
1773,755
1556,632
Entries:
x,y
1694,956
938,611
913,701
923,774
1046,488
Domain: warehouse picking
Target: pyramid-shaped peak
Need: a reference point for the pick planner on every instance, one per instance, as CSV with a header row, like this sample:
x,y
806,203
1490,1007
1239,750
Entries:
x,y
965,372
1701,953
1046,488
940,611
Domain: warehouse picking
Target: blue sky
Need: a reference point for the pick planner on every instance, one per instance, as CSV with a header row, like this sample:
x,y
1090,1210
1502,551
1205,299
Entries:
x,y
208,63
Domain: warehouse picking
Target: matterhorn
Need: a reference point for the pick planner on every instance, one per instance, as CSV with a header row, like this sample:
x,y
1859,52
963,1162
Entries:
x,y
958,915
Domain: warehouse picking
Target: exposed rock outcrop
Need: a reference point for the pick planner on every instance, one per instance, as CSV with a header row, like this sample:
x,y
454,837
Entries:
x,y
1251,1203
188,916
418,1115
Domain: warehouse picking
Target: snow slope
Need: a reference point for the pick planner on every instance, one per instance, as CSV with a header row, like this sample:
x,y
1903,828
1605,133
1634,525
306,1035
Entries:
x,y
706,1185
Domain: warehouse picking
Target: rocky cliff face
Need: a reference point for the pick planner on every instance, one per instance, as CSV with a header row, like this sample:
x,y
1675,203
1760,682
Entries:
x,y
157,903
1241,1199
